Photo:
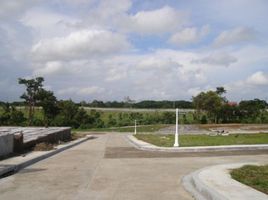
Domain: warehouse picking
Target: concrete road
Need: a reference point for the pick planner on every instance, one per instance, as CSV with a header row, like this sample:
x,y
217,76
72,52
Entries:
x,y
110,168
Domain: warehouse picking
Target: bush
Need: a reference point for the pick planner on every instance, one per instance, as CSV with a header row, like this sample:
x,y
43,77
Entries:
x,y
204,119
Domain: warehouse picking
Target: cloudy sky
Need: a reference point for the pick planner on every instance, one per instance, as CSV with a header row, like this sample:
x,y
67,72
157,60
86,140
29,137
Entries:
x,y
109,49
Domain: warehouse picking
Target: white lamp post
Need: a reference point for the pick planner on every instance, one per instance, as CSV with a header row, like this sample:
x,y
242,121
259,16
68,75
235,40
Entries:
x,y
176,143
135,131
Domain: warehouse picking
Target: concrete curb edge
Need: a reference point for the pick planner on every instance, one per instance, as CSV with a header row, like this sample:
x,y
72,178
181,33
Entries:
x,y
149,147
197,187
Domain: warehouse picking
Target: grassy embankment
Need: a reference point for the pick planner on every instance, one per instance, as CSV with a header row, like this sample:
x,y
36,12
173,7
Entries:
x,y
253,176
204,140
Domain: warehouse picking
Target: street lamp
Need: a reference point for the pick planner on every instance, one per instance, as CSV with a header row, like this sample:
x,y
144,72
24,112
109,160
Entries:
x,y
176,143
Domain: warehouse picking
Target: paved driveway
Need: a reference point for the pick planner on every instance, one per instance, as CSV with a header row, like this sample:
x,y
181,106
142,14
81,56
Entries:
x,y
110,168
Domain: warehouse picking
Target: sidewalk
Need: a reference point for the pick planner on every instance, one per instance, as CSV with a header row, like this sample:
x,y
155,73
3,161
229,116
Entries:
x,y
14,164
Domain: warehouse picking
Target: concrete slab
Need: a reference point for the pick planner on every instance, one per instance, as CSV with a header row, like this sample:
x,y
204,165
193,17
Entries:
x,y
84,172
215,182
31,133
17,163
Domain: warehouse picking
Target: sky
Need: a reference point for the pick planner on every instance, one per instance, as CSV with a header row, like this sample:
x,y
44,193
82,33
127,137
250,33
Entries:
x,y
144,49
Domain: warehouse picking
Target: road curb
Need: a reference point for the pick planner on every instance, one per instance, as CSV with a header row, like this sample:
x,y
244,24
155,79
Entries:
x,y
18,166
221,186
149,147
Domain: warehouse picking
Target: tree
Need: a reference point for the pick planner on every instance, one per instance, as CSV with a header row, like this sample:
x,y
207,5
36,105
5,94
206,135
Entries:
x,y
11,116
209,101
128,101
220,90
49,104
33,87
67,111
251,109
229,113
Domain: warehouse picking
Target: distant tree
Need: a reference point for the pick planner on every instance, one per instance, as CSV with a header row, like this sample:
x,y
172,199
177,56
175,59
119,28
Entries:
x,y
16,117
97,103
128,101
209,101
33,87
251,109
11,116
168,118
229,113
83,103
220,90
49,104
204,119
5,116
67,111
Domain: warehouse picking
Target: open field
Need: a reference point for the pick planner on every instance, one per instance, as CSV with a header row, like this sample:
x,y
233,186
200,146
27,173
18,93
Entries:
x,y
253,176
145,128
125,116
138,109
204,140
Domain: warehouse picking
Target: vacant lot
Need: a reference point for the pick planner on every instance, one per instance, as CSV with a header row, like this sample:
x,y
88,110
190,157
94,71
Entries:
x,y
204,140
141,128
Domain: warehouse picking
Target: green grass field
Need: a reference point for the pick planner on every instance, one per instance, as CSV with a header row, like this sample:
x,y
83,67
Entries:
x,y
145,128
204,140
253,176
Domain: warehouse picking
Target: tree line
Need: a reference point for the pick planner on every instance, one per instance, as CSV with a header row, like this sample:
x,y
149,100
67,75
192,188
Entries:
x,y
165,104
210,107
214,107
142,104
66,112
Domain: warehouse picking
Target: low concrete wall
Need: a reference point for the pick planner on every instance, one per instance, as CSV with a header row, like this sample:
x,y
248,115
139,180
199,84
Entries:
x,y
6,144
55,137
18,139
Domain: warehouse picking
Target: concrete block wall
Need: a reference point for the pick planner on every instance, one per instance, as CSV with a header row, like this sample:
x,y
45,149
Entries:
x,y
6,144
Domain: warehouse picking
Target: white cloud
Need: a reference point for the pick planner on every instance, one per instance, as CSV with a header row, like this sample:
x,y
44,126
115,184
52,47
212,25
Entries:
x,y
154,63
165,19
14,8
50,68
90,90
194,91
254,86
116,74
217,59
45,23
79,45
258,78
81,91
235,36
189,36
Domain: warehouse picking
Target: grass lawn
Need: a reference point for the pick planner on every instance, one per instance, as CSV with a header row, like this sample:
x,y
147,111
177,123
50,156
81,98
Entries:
x,y
146,128
253,176
204,140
